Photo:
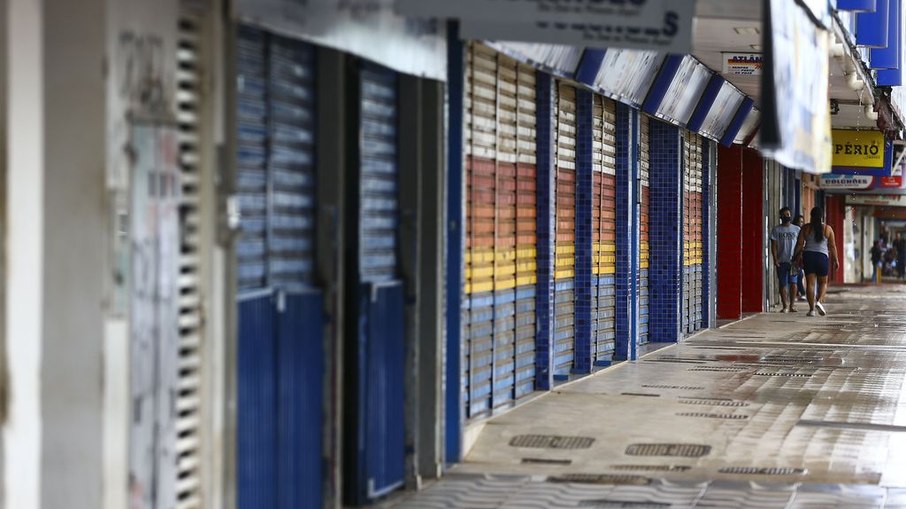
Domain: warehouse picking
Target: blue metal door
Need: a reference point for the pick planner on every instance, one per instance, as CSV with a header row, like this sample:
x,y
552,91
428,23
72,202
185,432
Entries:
x,y
380,423
280,346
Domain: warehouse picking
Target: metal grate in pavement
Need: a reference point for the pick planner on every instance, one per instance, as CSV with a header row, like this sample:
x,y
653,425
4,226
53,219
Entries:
x,y
669,450
763,471
614,479
551,442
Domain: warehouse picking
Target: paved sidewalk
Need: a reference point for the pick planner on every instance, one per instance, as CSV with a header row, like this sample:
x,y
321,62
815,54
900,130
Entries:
x,y
779,410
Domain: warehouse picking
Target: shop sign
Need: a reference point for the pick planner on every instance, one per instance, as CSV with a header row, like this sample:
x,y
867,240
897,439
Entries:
x,y
896,200
847,182
639,24
742,64
858,149
895,182
795,127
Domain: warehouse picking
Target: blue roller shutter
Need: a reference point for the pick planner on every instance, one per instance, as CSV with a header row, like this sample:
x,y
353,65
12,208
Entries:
x,y
280,345
380,350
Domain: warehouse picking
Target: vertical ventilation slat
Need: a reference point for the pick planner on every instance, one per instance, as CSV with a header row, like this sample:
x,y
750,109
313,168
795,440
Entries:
x,y
565,251
188,383
645,254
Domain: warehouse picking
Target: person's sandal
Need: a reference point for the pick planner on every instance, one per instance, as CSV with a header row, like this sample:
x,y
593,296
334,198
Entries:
x,y
793,310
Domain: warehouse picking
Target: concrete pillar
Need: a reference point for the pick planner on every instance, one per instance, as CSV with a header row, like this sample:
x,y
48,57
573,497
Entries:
x,y
56,253
628,234
666,233
546,189
583,278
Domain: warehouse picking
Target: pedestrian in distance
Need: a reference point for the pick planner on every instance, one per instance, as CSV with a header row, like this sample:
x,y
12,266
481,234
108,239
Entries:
x,y
877,254
783,242
817,252
900,245
800,281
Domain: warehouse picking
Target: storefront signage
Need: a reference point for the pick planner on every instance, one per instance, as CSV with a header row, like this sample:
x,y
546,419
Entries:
x,y
742,64
897,200
858,149
847,182
370,29
795,127
640,24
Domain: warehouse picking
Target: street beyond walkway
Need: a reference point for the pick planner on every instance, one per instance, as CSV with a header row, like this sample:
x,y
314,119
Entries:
x,y
778,410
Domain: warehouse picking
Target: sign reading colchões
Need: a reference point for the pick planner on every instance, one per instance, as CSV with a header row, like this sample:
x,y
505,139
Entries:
x,y
858,149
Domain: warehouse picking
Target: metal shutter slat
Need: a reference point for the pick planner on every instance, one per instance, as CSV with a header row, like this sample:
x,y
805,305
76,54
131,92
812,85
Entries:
x,y
290,246
564,300
603,230
644,218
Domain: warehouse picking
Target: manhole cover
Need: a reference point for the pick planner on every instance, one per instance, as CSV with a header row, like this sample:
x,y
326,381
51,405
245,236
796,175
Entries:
x,y
680,387
735,417
713,402
634,480
551,442
653,468
763,471
670,450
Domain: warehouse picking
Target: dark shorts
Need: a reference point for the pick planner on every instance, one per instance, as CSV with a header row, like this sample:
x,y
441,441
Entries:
x,y
815,263
787,275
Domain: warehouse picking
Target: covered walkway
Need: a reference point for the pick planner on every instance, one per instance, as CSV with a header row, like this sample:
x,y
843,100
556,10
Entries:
x,y
778,410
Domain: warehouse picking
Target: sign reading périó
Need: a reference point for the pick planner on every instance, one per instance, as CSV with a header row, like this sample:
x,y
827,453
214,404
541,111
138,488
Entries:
x,y
858,149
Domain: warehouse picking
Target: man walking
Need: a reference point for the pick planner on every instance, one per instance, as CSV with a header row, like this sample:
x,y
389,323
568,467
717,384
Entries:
x,y
783,241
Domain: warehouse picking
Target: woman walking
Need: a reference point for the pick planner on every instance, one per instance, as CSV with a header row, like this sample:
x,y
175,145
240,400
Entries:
x,y
814,249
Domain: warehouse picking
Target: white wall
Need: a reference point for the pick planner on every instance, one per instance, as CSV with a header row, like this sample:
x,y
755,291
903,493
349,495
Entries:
x,y
141,44
56,219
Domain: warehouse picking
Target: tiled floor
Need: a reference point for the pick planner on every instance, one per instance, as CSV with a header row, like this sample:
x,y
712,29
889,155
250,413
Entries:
x,y
778,410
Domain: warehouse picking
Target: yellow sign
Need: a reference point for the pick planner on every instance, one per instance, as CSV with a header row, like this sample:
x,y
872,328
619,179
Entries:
x,y
860,149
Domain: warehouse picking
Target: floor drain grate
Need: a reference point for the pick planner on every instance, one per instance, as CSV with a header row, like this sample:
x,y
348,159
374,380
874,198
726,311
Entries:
x,y
551,442
680,387
635,480
789,375
646,394
653,468
545,461
763,471
734,417
713,402
670,450
719,369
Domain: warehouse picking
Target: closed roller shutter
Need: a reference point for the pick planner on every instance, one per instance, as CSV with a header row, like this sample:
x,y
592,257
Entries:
x,y
280,356
644,253
499,305
381,301
603,230
692,224
251,159
565,267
